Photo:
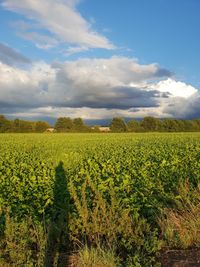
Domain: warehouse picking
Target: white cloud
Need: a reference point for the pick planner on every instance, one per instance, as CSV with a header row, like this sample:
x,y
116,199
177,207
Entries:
x,y
41,41
74,50
62,20
94,89
85,82
175,88
114,71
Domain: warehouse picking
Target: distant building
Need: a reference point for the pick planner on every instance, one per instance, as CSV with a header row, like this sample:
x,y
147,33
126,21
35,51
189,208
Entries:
x,y
49,130
104,129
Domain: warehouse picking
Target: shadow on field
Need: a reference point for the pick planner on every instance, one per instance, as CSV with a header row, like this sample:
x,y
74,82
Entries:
x,y
57,247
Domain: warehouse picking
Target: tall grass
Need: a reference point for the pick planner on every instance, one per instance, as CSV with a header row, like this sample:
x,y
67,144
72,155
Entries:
x,y
95,257
181,226
22,243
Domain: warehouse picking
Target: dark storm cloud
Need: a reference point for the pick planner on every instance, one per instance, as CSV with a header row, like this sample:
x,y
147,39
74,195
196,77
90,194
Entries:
x,y
185,108
10,56
117,98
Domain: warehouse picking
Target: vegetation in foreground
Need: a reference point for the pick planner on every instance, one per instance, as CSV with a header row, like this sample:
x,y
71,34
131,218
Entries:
x,y
91,199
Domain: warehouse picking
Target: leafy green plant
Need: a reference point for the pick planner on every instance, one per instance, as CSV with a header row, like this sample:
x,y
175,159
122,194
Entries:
x,y
106,221
116,181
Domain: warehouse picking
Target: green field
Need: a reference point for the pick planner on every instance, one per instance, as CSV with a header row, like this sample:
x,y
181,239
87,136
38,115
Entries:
x,y
60,192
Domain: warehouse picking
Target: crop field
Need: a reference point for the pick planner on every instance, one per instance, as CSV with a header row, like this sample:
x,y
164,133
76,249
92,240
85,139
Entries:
x,y
134,195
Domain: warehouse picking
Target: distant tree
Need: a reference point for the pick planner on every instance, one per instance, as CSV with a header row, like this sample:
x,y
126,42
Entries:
x,y
80,126
5,125
170,125
41,126
95,129
189,125
118,125
159,126
180,126
196,123
16,126
3,122
133,126
64,125
22,126
150,124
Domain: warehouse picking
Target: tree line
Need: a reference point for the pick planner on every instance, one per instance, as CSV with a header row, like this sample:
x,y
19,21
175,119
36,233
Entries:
x,y
66,124
22,126
63,124
151,124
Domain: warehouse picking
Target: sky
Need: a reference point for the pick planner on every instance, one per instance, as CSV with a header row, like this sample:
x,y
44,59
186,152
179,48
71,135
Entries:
x,y
99,59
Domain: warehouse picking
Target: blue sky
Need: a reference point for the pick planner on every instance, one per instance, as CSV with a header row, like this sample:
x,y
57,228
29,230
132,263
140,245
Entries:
x,y
99,59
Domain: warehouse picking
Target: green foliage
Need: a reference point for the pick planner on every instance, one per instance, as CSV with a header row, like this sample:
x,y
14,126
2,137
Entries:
x,y
41,126
21,126
3,121
134,126
118,125
64,125
180,226
150,124
93,257
23,243
116,187
105,221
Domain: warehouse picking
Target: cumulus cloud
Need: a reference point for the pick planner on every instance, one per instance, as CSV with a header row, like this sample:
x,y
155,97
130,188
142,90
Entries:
x,y
180,107
184,100
175,88
65,24
114,71
93,83
10,56
95,88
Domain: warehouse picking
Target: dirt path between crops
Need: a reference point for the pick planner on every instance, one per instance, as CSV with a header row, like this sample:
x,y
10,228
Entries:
x,y
170,258
181,258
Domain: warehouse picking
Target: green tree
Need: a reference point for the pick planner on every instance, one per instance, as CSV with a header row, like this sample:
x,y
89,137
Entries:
x,y
118,125
170,125
79,125
189,125
180,126
41,126
150,124
3,122
64,124
133,126
5,125
197,124
22,126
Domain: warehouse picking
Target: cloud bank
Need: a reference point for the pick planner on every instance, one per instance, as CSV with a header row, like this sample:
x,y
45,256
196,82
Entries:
x,y
94,89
